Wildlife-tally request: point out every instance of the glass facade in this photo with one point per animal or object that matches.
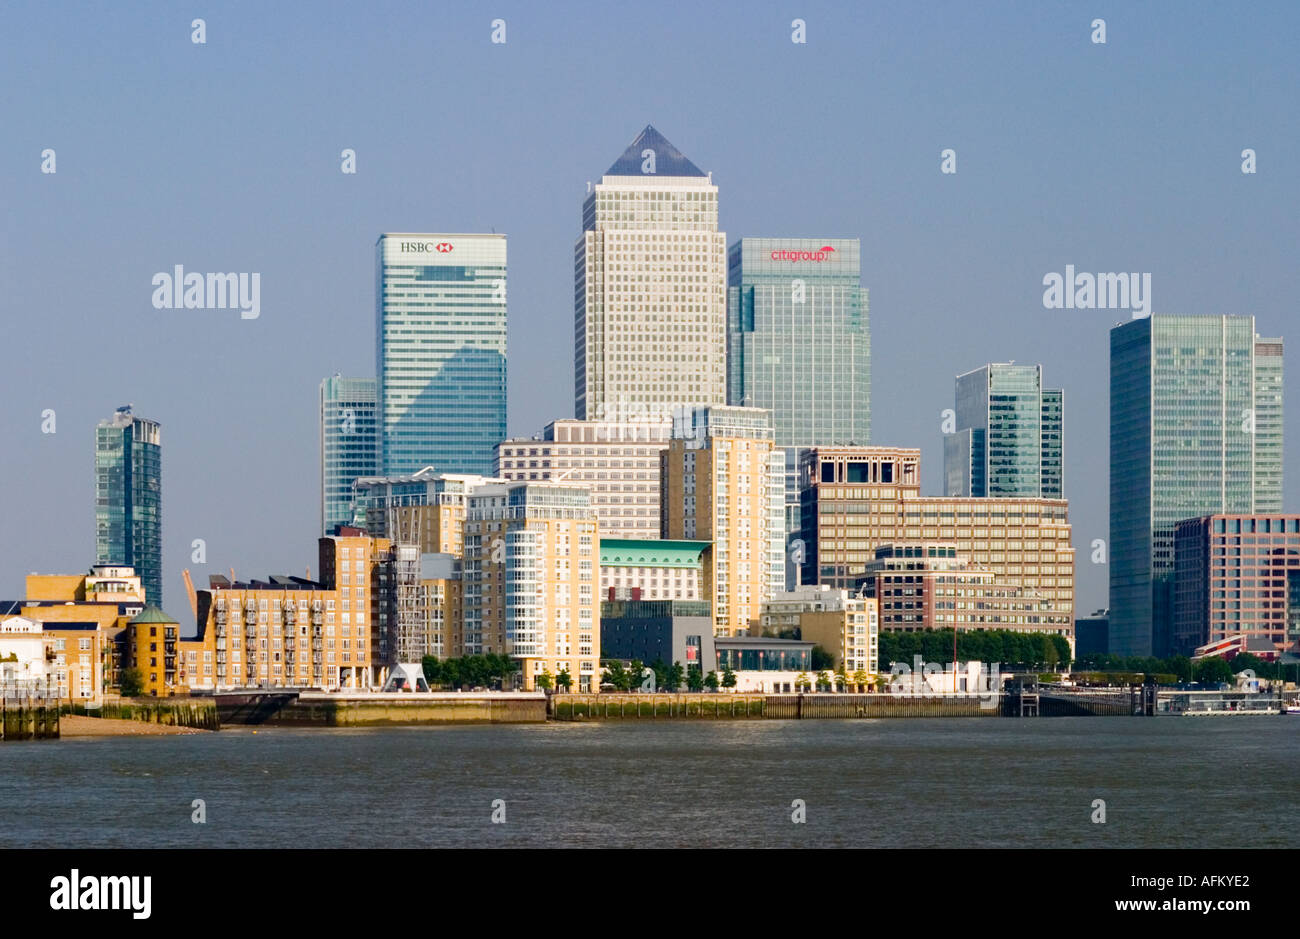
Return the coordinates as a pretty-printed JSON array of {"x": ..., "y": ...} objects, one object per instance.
[
  {"x": 440, "y": 358},
  {"x": 798, "y": 342},
  {"x": 349, "y": 443},
  {"x": 128, "y": 498},
  {"x": 1009, "y": 441},
  {"x": 1185, "y": 441}
]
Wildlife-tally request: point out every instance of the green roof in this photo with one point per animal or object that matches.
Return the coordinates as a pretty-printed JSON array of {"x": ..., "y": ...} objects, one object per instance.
[
  {"x": 650, "y": 552},
  {"x": 151, "y": 614}
]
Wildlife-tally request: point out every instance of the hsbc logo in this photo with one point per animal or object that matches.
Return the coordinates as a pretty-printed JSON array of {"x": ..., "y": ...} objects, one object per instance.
[
  {"x": 442, "y": 247},
  {"x": 821, "y": 254},
  {"x": 426, "y": 247}
]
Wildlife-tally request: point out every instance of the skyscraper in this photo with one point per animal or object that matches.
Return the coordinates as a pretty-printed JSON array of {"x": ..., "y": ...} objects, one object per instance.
[
  {"x": 349, "y": 444},
  {"x": 440, "y": 354},
  {"x": 1009, "y": 436},
  {"x": 128, "y": 497},
  {"x": 798, "y": 344},
  {"x": 650, "y": 289},
  {"x": 1195, "y": 429}
]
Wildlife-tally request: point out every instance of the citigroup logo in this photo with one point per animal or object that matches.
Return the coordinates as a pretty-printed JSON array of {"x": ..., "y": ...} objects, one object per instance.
[{"x": 821, "y": 254}]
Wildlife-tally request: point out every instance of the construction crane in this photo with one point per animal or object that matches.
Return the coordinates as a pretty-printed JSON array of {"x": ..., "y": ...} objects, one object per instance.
[{"x": 189, "y": 592}]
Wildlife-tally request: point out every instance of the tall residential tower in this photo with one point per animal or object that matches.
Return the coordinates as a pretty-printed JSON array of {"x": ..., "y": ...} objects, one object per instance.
[
  {"x": 128, "y": 497},
  {"x": 349, "y": 445}
]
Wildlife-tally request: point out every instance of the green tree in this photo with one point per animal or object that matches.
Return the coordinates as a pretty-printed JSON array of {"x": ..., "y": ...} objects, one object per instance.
[
  {"x": 728, "y": 678},
  {"x": 564, "y": 681},
  {"x": 824, "y": 679},
  {"x": 1213, "y": 670},
  {"x": 695, "y": 680},
  {"x": 676, "y": 675},
  {"x": 635, "y": 673},
  {"x": 821, "y": 659},
  {"x": 131, "y": 683},
  {"x": 429, "y": 665},
  {"x": 616, "y": 675},
  {"x": 545, "y": 681},
  {"x": 860, "y": 679},
  {"x": 802, "y": 682},
  {"x": 660, "y": 668},
  {"x": 711, "y": 681}
]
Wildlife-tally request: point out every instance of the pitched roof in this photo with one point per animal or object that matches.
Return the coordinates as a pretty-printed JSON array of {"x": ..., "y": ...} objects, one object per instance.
[
  {"x": 151, "y": 614},
  {"x": 668, "y": 159}
]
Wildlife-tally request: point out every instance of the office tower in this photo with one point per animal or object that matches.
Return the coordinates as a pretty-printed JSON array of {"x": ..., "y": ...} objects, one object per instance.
[
  {"x": 650, "y": 288},
  {"x": 529, "y": 579},
  {"x": 1009, "y": 437},
  {"x": 1195, "y": 430},
  {"x": 724, "y": 482},
  {"x": 858, "y": 499},
  {"x": 440, "y": 356},
  {"x": 349, "y": 444},
  {"x": 128, "y": 497},
  {"x": 617, "y": 461},
  {"x": 1237, "y": 576},
  {"x": 798, "y": 344}
]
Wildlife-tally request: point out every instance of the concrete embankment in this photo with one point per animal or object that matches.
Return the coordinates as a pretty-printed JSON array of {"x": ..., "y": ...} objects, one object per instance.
[
  {"x": 580, "y": 707},
  {"x": 310, "y": 709},
  {"x": 192, "y": 713}
]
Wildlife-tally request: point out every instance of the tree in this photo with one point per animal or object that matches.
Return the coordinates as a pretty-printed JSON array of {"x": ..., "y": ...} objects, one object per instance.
[
  {"x": 131, "y": 683},
  {"x": 860, "y": 679},
  {"x": 616, "y": 675},
  {"x": 802, "y": 682},
  {"x": 676, "y": 675},
  {"x": 429, "y": 665},
  {"x": 660, "y": 668},
  {"x": 711, "y": 681},
  {"x": 824, "y": 679},
  {"x": 728, "y": 678},
  {"x": 821, "y": 659},
  {"x": 635, "y": 673},
  {"x": 564, "y": 681},
  {"x": 695, "y": 680},
  {"x": 545, "y": 681},
  {"x": 1213, "y": 670},
  {"x": 842, "y": 678}
]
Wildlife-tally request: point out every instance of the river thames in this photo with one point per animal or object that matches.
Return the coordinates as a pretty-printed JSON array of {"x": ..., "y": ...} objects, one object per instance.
[{"x": 996, "y": 783}]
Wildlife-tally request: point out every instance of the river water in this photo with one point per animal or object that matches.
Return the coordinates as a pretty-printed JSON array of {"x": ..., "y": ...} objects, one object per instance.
[{"x": 1165, "y": 782}]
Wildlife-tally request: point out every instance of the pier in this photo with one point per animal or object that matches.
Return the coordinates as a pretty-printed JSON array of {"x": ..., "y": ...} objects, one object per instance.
[{"x": 28, "y": 716}]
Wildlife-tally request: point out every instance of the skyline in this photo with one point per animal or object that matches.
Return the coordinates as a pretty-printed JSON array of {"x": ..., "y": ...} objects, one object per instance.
[{"x": 933, "y": 258}]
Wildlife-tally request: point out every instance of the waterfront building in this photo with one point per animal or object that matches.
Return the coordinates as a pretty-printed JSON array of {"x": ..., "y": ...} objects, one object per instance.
[
  {"x": 654, "y": 569},
  {"x": 928, "y": 585},
  {"x": 440, "y": 355},
  {"x": 1237, "y": 576},
  {"x": 617, "y": 460},
  {"x": 1092, "y": 634},
  {"x": 723, "y": 482},
  {"x": 847, "y": 626},
  {"x": 650, "y": 288},
  {"x": 1009, "y": 437},
  {"x": 1195, "y": 430},
  {"x": 675, "y": 632},
  {"x": 441, "y": 604},
  {"x": 167, "y": 664},
  {"x": 529, "y": 576},
  {"x": 25, "y": 666},
  {"x": 856, "y": 499},
  {"x": 128, "y": 497},
  {"x": 764, "y": 665},
  {"x": 349, "y": 444}
]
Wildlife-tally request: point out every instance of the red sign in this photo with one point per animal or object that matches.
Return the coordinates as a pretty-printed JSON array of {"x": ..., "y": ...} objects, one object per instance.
[
  {"x": 821, "y": 254},
  {"x": 442, "y": 247}
]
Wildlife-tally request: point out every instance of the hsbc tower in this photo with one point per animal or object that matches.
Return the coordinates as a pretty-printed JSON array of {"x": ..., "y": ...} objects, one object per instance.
[{"x": 440, "y": 351}]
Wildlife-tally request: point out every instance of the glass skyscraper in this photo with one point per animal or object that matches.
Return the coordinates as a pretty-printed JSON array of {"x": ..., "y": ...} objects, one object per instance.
[
  {"x": 1009, "y": 438},
  {"x": 798, "y": 345},
  {"x": 349, "y": 444},
  {"x": 128, "y": 498},
  {"x": 440, "y": 357},
  {"x": 1195, "y": 429}
]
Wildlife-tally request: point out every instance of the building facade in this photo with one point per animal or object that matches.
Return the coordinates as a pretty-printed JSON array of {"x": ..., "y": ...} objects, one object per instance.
[
  {"x": 857, "y": 499},
  {"x": 1195, "y": 430},
  {"x": 349, "y": 444},
  {"x": 529, "y": 578},
  {"x": 1237, "y": 576},
  {"x": 675, "y": 632},
  {"x": 128, "y": 497},
  {"x": 617, "y": 460},
  {"x": 844, "y": 624},
  {"x": 724, "y": 483},
  {"x": 440, "y": 357},
  {"x": 652, "y": 569},
  {"x": 650, "y": 288},
  {"x": 1009, "y": 437}
]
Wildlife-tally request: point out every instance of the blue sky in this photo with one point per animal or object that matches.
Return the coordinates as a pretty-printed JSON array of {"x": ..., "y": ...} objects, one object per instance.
[{"x": 225, "y": 157}]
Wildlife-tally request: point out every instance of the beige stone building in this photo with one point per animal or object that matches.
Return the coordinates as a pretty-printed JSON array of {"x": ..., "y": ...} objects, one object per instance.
[
  {"x": 723, "y": 482},
  {"x": 846, "y": 625}
]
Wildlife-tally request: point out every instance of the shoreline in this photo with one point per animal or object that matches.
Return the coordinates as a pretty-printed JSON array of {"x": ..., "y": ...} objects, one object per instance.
[{"x": 80, "y": 726}]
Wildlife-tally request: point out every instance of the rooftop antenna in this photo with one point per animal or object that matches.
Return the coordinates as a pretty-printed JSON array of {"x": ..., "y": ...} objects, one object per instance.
[{"x": 589, "y": 185}]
